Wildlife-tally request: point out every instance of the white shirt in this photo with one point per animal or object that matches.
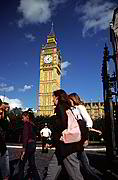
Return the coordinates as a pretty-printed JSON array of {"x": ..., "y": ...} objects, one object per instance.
[
  {"x": 80, "y": 112},
  {"x": 45, "y": 132}
]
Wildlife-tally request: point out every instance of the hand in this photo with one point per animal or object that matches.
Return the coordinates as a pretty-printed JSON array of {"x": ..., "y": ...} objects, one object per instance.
[
  {"x": 99, "y": 132},
  {"x": 22, "y": 155},
  {"x": 48, "y": 146},
  {"x": 86, "y": 143},
  {"x": 61, "y": 138}
]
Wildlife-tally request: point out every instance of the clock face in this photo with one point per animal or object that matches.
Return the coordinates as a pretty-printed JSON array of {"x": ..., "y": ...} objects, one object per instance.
[{"x": 48, "y": 59}]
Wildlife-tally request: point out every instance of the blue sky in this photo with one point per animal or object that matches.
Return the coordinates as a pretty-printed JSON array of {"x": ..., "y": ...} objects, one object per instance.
[{"x": 82, "y": 29}]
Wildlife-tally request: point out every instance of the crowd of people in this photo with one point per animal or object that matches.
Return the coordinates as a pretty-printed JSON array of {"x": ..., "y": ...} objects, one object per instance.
[
  {"x": 70, "y": 157},
  {"x": 4, "y": 156}
]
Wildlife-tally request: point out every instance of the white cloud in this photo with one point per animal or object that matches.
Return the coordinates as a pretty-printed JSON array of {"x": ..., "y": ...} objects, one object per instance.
[
  {"x": 12, "y": 102},
  {"x": 37, "y": 11},
  {"x": 30, "y": 37},
  {"x": 34, "y": 11},
  {"x": 25, "y": 88},
  {"x": 5, "y": 88},
  {"x": 55, "y": 3},
  {"x": 25, "y": 63},
  {"x": 20, "y": 23},
  {"x": 95, "y": 15},
  {"x": 63, "y": 66}
]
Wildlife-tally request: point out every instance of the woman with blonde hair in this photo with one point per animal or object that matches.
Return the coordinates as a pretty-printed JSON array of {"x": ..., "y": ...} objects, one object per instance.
[
  {"x": 81, "y": 112},
  {"x": 86, "y": 124}
]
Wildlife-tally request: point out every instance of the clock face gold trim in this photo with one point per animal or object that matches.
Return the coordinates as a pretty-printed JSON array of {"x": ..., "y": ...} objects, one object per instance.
[{"x": 48, "y": 59}]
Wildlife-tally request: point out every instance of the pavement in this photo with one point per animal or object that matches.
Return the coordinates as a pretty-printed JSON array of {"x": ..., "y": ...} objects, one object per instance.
[
  {"x": 96, "y": 155},
  {"x": 42, "y": 159},
  {"x": 108, "y": 168}
]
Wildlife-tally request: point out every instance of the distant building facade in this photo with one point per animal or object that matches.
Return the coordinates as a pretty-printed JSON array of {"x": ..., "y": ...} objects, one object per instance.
[{"x": 95, "y": 109}]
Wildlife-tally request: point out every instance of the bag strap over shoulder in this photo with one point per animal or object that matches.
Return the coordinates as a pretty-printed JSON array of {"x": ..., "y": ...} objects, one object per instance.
[
  {"x": 72, "y": 133},
  {"x": 72, "y": 121}
]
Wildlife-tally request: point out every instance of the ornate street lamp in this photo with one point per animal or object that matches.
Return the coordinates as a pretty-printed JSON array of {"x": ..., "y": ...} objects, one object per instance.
[{"x": 108, "y": 106}]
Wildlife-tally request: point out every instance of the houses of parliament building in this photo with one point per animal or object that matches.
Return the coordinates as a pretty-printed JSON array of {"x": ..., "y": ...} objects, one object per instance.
[
  {"x": 95, "y": 109},
  {"x": 50, "y": 72}
]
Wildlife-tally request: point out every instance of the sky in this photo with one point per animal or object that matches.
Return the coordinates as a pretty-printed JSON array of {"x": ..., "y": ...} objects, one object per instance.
[{"x": 81, "y": 28}]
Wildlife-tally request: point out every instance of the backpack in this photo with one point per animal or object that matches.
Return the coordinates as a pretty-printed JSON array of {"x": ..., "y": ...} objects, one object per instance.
[
  {"x": 82, "y": 124},
  {"x": 72, "y": 133}
]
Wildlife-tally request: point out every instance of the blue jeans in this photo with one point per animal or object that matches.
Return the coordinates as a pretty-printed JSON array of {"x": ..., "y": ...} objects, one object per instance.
[
  {"x": 88, "y": 169},
  {"x": 4, "y": 164},
  {"x": 71, "y": 164}
]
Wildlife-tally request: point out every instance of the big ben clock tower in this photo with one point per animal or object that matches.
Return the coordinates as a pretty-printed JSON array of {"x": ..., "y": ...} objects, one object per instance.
[{"x": 49, "y": 74}]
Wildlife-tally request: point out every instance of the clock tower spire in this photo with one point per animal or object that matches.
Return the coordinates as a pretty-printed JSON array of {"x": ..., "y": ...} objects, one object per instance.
[
  {"x": 52, "y": 30},
  {"x": 50, "y": 69}
]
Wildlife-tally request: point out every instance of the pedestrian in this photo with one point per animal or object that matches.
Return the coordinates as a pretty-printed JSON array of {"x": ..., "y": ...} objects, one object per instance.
[
  {"x": 4, "y": 156},
  {"x": 29, "y": 146},
  {"x": 65, "y": 154},
  {"x": 82, "y": 115},
  {"x": 45, "y": 136}
]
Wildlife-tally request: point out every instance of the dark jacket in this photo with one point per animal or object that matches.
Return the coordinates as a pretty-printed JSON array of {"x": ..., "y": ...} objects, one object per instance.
[
  {"x": 3, "y": 147},
  {"x": 61, "y": 122},
  {"x": 28, "y": 133}
]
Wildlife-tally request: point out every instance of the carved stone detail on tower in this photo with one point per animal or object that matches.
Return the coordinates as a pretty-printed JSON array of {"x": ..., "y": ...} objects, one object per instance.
[{"x": 95, "y": 109}]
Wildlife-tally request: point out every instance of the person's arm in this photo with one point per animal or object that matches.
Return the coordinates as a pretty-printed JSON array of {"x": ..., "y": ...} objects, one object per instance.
[
  {"x": 49, "y": 132},
  {"x": 85, "y": 116},
  {"x": 95, "y": 130},
  {"x": 25, "y": 139},
  {"x": 41, "y": 132}
]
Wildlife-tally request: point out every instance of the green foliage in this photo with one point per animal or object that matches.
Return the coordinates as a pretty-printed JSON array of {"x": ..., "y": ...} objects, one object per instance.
[
  {"x": 16, "y": 111},
  {"x": 14, "y": 131}
]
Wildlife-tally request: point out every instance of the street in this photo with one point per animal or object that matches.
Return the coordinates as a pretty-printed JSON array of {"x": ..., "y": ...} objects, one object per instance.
[{"x": 95, "y": 154}]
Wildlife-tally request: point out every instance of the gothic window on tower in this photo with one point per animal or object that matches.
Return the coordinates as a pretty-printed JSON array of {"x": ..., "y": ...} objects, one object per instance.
[
  {"x": 48, "y": 78},
  {"x": 50, "y": 100},
  {"x": 54, "y": 74},
  {"x": 50, "y": 89},
  {"x": 45, "y": 101},
  {"x": 45, "y": 88},
  {"x": 50, "y": 75},
  {"x": 45, "y": 76},
  {"x": 41, "y": 100}
]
